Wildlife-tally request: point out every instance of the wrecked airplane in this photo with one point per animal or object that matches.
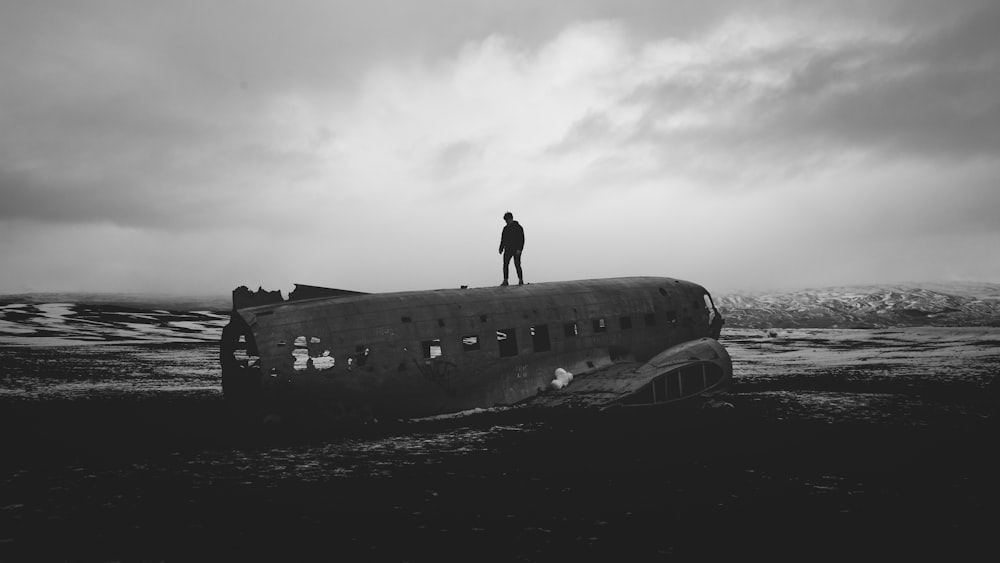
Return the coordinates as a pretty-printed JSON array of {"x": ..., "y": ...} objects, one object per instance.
[{"x": 591, "y": 343}]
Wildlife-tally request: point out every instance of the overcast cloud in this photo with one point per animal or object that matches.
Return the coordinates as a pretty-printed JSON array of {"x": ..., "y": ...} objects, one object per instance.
[{"x": 197, "y": 146}]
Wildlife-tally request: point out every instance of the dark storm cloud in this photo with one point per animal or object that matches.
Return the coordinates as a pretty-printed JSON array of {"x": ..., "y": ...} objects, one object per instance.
[
  {"x": 152, "y": 206},
  {"x": 930, "y": 95},
  {"x": 144, "y": 113},
  {"x": 24, "y": 198},
  {"x": 107, "y": 106},
  {"x": 927, "y": 92}
]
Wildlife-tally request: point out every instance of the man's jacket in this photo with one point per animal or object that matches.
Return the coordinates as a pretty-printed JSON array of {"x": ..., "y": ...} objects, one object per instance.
[{"x": 512, "y": 238}]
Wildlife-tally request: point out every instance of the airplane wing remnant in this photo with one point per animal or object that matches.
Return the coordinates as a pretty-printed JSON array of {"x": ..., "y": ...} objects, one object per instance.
[{"x": 699, "y": 367}]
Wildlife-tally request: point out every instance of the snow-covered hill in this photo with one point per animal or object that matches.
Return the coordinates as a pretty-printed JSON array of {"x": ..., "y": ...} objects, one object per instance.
[
  {"x": 874, "y": 306},
  {"x": 70, "y": 323}
]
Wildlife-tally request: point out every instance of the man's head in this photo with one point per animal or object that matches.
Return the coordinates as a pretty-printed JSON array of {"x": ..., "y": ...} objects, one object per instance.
[{"x": 508, "y": 216}]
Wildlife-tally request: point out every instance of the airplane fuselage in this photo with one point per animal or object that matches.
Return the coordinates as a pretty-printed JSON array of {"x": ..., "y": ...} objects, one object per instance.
[{"x": 429, "y": 352}]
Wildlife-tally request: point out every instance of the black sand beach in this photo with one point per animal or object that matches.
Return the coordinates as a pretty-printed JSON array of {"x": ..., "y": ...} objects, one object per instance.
[
  {"x": 721, "y": 486},
  {"x": 824, "y": 453}
]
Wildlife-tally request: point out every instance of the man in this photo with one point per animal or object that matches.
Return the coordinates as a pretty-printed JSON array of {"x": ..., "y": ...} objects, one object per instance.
[{"x": 511, "y": 245}]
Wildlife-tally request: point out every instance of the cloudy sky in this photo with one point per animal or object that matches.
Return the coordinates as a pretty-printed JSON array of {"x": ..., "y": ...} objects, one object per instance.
[{"x": 194, "y": 146}]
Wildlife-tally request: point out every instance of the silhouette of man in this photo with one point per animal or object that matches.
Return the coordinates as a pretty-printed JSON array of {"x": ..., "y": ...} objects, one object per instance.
[{"x": 511, "y": 245}]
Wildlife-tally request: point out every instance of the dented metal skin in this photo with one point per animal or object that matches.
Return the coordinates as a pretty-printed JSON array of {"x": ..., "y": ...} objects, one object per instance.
[{"x": 346, "y": 354}]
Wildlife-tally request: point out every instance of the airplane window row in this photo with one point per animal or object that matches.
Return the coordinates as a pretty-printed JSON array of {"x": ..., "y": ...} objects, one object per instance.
[{"x": 507, "y": 337}]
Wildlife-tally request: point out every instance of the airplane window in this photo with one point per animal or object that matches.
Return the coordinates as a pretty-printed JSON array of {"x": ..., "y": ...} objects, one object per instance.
[
  {"x": 673, "y": 385},
  {"x": 600, "y": 325},
  {"x": 671, "y": 316},
  {"x": 540, "y": 338},
  {"x": 362, "y": 354},
  {"x": 507, "y": 339},
  {"x": 470, "y": 343},
  {"x": 650, "y": 319},
  {"x": 692, "y": 381},
  {"x": 572, "y": 329},
  {"x": 625, "y": 322},
  {"x": 431, "y": 348}
]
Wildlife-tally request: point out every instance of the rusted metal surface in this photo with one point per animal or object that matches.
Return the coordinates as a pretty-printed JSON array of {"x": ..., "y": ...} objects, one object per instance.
[{"x": 429, "y": 352}]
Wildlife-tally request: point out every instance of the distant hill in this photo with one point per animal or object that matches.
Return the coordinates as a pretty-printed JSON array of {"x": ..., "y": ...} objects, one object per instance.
[
  {"x": 138, "y": 301},
  {"x": 866, "y": 306}
]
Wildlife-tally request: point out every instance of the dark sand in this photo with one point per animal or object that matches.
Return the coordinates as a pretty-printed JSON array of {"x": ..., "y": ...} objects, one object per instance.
[{"x": 839, "y": 444}]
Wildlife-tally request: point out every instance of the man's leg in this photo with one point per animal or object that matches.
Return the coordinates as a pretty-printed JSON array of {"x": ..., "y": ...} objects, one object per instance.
[
  {"x": 506, "y": 266},
  {"x": 517, "y": 266}
]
